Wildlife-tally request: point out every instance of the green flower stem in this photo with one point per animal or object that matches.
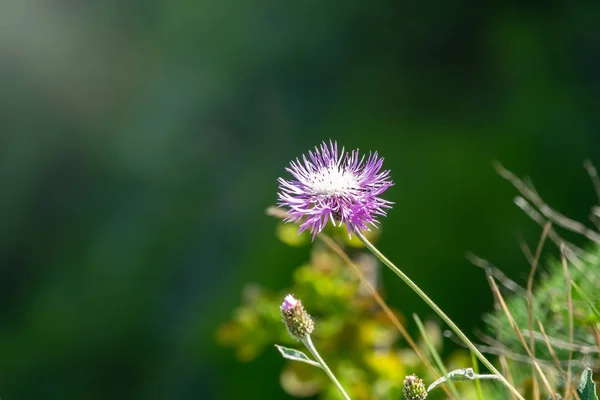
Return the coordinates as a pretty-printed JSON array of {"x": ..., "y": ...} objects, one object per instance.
[
  {"x": 311, "y": 347},
  {"x": 439, "y": 312}
]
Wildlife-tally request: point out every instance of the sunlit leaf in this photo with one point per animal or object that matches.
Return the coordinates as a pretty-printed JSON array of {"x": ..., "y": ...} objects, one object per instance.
[
  {"x": 296, "y": 355},
  {"x": 587, "y": 388}
]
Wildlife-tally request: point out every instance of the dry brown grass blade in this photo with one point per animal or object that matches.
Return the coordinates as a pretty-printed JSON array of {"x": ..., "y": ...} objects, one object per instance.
[
  {"x": 526, "y": 252},
  {"x": 515, "y": 327},
  {"x": 501, "y": 357},
  {"x": 329, "y": 242},
  {"x": 570, "y": 311},
  {"x": 551, "y": 349},
  {"x": 553, "y": 215},
  {"x": 506, "y": 371},
  {"x": 534, "y": 264},
  {"x": 573, "y": 389},
  {"x": 386, "y": 309}
]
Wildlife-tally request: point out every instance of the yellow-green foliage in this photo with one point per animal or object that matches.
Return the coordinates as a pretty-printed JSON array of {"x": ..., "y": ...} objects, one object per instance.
[{"x": 351, "y": 332}]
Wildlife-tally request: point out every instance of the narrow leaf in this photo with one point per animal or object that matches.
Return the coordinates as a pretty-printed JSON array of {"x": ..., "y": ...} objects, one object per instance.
[{"x": 297, "y": 355}]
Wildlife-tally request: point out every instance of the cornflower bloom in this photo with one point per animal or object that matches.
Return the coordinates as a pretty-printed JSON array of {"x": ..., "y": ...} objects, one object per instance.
[{"x": 341, "y": 186}]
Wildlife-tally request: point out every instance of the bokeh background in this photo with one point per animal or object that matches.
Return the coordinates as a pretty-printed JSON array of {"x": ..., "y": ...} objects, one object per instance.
[{"x": 140, "y": 143}]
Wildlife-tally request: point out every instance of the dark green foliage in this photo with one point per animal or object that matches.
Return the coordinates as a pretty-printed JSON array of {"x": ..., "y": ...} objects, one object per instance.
[
  {"x": 565, "y": 297},
  {"x": 587, "y": 388},
  {"x": 549, "y": 305}
]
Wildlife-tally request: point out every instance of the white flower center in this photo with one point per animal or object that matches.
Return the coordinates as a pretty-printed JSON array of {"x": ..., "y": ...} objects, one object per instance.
[{"x": 332, "y": 181}]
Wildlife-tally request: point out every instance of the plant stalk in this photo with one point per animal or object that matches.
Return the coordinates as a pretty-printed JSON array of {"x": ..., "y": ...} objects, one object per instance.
[
  {"x": 311, "y": 347},
  {"x": 438, "y": 311}
]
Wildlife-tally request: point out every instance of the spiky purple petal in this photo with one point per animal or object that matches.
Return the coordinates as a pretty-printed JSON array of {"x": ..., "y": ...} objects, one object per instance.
[{"x": 341, "y": 186}]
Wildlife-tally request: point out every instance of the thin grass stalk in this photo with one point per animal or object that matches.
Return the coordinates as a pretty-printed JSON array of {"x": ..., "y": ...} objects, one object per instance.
[
  {"x": 438, "y": 311},
  {"x": 551, "y": 349},
  {"x": 570, "y": 312},
  {"x": 434, "y": 353},
  {"x": 329, "y": 242},
  {"x": 313, "y": 350},
  {"x": 476, "y": 369},
  {"x": 520, "y": 336},
  {"x": 534, "y": 264}
]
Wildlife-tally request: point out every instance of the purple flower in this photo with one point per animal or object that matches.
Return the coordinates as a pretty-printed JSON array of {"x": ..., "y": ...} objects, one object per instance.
[
  {"x": 342, "y": 186},
  {"x": 288, "y": 302}
]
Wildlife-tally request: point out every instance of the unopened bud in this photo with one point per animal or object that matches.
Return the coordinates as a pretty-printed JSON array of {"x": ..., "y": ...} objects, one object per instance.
[
  {"x": 414, "y": 389},
  {"x": 296, "y": 319}
]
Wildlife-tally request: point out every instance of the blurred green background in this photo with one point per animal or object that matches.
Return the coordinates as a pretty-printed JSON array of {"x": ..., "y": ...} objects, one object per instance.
[{"x": 140, "y": 143}]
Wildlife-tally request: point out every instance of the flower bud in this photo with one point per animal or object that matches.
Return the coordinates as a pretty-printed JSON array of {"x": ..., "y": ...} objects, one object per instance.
[
  {"x": 414, "y": 389},
  {"x": 296, "y": 319}
]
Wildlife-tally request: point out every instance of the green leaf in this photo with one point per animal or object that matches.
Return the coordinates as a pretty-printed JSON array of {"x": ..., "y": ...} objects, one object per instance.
[
  {"x": 587, "y": 388},
  {"x": 297, "y": 355}
]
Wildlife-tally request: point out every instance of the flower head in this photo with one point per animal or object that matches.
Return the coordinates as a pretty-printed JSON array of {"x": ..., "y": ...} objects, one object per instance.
[
  {"x": 414, "y": 389},
  {"x": 341, "y": 186},
  {"x": 297, "y": 321}
]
